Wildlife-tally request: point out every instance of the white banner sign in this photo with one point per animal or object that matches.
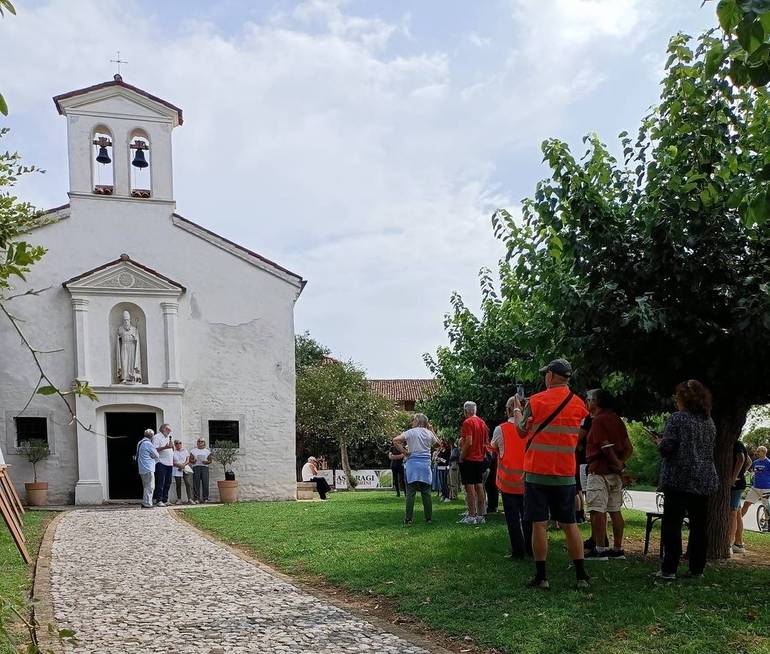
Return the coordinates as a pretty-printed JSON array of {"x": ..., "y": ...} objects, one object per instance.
[{"x": 367, "y": 479}]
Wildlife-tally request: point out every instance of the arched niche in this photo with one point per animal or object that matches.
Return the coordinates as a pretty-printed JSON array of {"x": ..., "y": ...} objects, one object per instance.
[
  {"x": 140, "y": 164},
  {"x": 102, "y": 170},
  {"x": 139, "y": 321}
]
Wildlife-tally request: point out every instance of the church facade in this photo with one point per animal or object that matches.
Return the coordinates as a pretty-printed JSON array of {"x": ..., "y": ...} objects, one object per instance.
[{"x": 166, "y": 320}]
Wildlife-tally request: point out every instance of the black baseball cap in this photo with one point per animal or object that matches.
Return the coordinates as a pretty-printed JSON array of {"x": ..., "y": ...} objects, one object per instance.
[{"x": 560, "y": 367}]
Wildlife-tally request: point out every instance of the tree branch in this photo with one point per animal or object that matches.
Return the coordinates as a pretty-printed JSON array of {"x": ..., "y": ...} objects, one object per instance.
[
  {"x": 44, "y": 376},
  {"x": 31, "y": 291}
]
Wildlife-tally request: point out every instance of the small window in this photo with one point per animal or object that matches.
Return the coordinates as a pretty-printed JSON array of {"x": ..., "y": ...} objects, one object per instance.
[
  {"x": 409, "y": 405},
  {"x": 28, "y": 428},
  {"x": 224, "y": 430}
]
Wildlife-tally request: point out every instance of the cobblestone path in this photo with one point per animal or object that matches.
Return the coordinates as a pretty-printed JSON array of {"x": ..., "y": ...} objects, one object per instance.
[{"x": 135, "y": 582}]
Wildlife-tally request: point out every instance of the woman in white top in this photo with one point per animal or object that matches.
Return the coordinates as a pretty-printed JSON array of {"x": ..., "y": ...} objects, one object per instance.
[
  {"x": 200, "y": 458},
  {"x": 181, "y": 461},
  {"x": 417, "y": 442},
  {"x": 310, "y": 473}
]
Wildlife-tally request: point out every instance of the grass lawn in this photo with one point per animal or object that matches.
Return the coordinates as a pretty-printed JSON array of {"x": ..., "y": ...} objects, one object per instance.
[
  {"x": 455, "y": 578},
  {"x": 16, "y": 576}
]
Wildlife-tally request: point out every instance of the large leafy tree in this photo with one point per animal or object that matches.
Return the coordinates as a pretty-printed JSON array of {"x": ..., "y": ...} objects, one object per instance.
[
  {"x": 336, "y": 408},
  {"x": 654, "y": 270},
  {"x": 481, "y": 363}
]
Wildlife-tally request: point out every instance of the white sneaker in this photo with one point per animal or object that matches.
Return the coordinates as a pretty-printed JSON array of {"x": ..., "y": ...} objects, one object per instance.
[
  {"x": 161, "y": 504},
  {"x": 467, "y": 520},
  {"x": 481, "y": 520},
  {"x": 739, "y": 549}
]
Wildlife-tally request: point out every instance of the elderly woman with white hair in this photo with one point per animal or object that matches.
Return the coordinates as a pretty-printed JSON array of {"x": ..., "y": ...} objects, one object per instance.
[
  {"x": 417, "y": 443},
  {"x": 310, "y": 473}
]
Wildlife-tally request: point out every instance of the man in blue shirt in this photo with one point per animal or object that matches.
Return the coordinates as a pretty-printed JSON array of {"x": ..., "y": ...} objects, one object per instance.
[
  {"x": 146, "y": 458},
  {"x": 761, "y": 485}
]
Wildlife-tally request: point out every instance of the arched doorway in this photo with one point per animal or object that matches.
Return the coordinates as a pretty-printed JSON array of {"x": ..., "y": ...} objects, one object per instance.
[{"x": 124, "y": 426}]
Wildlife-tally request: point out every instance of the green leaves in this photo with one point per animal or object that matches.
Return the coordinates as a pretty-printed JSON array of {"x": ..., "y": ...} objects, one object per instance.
[
  {"x": 746, "y": 24},
  {"x": 729, "y": 14},
  {"x": 47, "y": 390},
  {"x": 6, "y": 5},
  {"x": 3, "y": 106},
  {"x": 714, "y": 58}
]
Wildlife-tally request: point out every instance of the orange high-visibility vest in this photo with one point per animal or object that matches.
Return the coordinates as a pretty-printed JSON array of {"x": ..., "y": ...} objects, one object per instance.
[
  {"x": 552, "y": 450},
  {"x": 510, "y": 467}
]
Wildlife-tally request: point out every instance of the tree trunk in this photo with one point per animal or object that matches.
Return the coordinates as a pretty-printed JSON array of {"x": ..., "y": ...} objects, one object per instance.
[
  {"x": 346, "y": 465},
  {"x": 729, "y": 422}
]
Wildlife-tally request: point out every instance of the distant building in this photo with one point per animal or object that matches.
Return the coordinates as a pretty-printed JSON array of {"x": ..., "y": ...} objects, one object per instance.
[{"x": 404, "y": 393}]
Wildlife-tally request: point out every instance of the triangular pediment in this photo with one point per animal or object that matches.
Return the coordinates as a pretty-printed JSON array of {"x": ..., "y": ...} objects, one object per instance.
[
  {"x": 123, "y": 277},
  {"x": 117, "y": 98}
]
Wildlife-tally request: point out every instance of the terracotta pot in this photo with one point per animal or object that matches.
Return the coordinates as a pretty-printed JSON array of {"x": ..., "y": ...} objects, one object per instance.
[
  {"x": 228, "y": 491},
  {"x": 37, "y": 493}
]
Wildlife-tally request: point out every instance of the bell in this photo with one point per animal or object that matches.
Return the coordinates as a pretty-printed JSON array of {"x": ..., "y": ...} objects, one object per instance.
[
  {"x": 103, "y": 157},
  {"x": 139, "y": 160}
]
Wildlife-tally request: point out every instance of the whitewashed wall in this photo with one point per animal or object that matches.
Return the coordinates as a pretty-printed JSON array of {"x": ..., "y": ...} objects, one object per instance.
[{"x": 235, "y": 335}]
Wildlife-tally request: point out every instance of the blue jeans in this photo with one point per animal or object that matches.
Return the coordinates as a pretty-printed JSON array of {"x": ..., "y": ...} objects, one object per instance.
[{"x": 162, "y": 482}]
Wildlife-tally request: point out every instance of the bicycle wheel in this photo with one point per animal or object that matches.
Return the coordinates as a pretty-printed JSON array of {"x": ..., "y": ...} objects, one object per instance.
[{"x": 763, "y": 518}]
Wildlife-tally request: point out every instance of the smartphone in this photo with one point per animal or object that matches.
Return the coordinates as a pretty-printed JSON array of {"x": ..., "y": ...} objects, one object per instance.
[{"x": 520, "y": 392}]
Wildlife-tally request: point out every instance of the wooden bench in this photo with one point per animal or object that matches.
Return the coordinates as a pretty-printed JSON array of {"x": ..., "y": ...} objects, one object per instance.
[{"x": 306, "y": 490}]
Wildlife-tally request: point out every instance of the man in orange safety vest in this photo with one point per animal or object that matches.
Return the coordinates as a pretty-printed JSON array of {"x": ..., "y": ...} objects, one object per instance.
[
  {"x": 549, "y": 424},
  {"x": 510, "y": 482}
]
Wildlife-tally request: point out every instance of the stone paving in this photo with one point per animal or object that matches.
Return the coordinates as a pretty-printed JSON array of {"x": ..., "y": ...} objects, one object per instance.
[{"x": 138, "y": 581}]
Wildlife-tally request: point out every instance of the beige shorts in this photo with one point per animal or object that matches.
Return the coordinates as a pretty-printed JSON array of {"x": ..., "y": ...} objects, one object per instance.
[
  {"x": 604, "y": 493},
  {"x": 755, "y": 494}
]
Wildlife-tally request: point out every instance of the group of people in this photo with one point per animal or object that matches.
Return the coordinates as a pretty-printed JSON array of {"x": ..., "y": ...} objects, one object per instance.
[
  {"x": 160, "y": 460},
  {"x": 544, "y": 477}
]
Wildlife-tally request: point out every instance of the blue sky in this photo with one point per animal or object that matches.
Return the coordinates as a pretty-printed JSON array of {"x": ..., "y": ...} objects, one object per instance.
[{"x": 363, "y": 144}]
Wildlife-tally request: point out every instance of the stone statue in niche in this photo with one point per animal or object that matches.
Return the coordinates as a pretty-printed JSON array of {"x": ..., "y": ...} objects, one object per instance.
[{"x": 128, "y": 352}]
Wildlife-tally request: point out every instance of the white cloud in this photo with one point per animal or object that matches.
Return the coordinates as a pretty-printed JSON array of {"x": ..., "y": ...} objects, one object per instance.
[{"x": 371, "y": 173}]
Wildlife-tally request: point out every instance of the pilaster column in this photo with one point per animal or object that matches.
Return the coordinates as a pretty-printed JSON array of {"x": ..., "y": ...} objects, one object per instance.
[
  {"x": 170, "y": 312},
  {"x": 80, "y": 317}
]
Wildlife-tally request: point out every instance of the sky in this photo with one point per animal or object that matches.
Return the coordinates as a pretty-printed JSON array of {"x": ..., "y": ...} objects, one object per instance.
[{"x": 362, "y": 144}]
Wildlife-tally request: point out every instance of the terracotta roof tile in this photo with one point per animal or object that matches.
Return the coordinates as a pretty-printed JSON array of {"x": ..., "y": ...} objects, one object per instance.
[{"x": 400, "y": 390}]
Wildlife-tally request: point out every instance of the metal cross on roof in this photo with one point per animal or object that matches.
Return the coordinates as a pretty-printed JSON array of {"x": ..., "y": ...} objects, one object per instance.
[{"x": 118, "y": 61}]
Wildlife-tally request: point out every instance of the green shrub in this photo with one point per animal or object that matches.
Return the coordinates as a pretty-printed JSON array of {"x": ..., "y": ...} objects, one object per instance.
[{"x": 644, "y": 464}]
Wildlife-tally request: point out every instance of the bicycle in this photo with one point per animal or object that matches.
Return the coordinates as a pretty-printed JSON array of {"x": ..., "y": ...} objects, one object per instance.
[{"x": 763, "y": 513}]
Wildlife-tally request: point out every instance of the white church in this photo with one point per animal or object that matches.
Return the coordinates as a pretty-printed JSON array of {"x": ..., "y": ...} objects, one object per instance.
[{"x": 166, "y": 320}]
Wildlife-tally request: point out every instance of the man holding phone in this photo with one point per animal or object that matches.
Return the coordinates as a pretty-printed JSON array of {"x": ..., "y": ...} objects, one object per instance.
[{"x": 550, "y": 425}]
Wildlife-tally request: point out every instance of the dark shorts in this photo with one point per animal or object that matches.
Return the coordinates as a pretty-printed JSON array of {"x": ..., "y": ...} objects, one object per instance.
[
  {"x": 542, "y": 503},
  {"x": 736, "y": 498},
  {"x": 471, "y": 472}
]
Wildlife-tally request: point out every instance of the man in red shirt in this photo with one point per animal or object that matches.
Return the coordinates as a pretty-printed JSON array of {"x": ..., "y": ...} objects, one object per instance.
[
  {"x": 474, "y": 438},
  {"x": 607, "y": 450}
]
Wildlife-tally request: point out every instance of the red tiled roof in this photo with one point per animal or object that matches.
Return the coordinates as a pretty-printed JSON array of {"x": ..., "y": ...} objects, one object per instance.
[{"x": 400, "y": 390}]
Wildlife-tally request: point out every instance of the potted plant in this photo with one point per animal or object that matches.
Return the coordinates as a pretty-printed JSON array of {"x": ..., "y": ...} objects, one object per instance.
[
  {"x": 226, "y": 453},
  {"x": 35, "y": 450}
]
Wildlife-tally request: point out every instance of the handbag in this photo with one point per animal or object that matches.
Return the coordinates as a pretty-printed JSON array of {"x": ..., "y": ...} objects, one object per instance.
[{"x": 187, "y": 470}]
